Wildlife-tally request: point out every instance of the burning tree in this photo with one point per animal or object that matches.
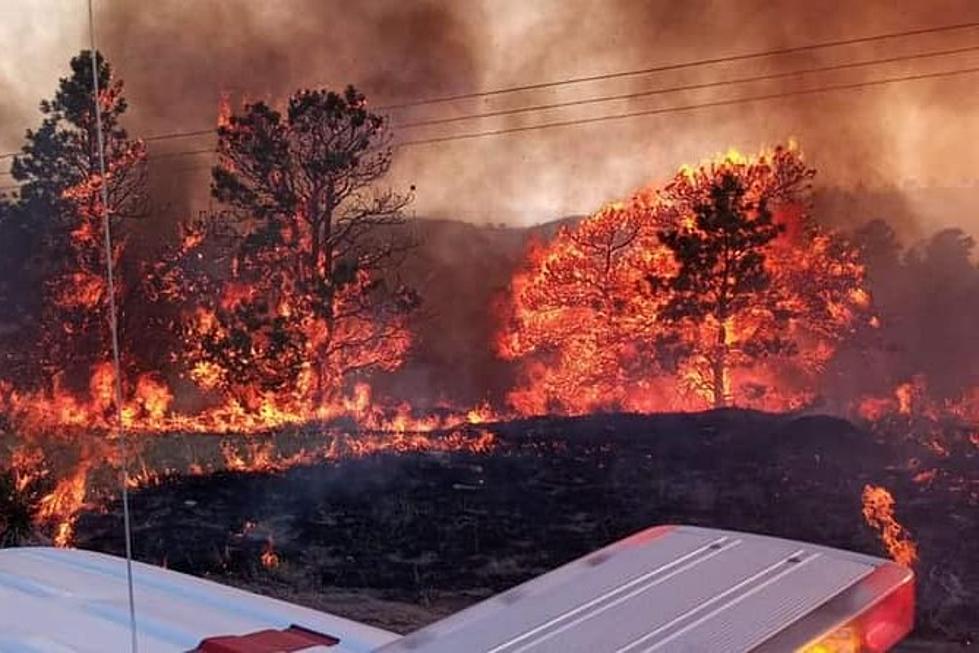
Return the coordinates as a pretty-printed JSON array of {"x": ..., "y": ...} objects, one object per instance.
[
  {"x": 718, "y": 283},
  {"x": 60, "y": 203},
  {"x": 756, "y": 279},
  {"x": 579, "y": 318},
  {"x": 312, "y": 296}
]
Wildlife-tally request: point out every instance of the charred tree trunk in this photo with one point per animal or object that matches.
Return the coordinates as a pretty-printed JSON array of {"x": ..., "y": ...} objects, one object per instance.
[{"x": 719, "y": 368}]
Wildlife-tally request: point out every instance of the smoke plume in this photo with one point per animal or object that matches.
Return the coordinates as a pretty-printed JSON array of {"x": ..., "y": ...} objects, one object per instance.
[{"x": 177, "y": 59}]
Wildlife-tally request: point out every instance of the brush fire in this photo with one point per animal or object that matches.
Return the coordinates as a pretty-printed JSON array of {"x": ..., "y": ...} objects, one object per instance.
[{"x": 705, "y": 350}]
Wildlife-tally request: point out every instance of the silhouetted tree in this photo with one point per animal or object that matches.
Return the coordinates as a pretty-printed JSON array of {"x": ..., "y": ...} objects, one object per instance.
[
  {"x": 722, "y": 271},
  {"x": 20, "y": 502},
  {"x": 312, "y": 289},
  {"x": 942, "y": 297},
  {"x": 60, "y": 198}
]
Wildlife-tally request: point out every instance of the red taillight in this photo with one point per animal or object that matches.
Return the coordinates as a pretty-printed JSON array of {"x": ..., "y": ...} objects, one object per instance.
[
  {"x": 886, "y": 623},
  {"x": 876, "y": 629}
]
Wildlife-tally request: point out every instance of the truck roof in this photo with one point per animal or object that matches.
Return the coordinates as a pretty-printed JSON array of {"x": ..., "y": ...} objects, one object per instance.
[
  {"x": 671, "y": 588},
  {"x": 674, "y": 588},
  {"x": 71, "y": 601}
]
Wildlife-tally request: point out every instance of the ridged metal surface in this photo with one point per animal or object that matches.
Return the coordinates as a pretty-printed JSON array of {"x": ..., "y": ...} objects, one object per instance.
[{"x": 679, "y": 589}]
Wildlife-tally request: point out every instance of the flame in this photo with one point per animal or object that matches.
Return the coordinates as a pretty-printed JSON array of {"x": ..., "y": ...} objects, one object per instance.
[
  {"x": 878, "y": 511},
  {"x": 912, "y": 402},
  {"x": 148, "y": 410},
  {"x": 269, "y": 558},
  {"x": 28, "y": 466},
  {"x": 224, "y": 109},
  {"x": 481, "y": 414},
  {"x": 588, "y": 316},
  {"x": 63, "y": 504},
  {"x": 903, "y": 393},
  {"x": 584, "y": 322},
  {"x": 82, "y": 290}
]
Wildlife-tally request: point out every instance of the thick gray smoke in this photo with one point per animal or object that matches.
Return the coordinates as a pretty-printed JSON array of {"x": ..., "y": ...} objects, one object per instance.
[
  {"x": 896, "y": 136},
  {"x": 903, "y": 153},
  {"x": 177, "y": 57}
]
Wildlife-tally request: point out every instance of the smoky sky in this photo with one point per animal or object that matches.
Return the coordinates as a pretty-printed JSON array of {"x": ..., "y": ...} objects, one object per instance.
[{"x": 177, "y": 58}]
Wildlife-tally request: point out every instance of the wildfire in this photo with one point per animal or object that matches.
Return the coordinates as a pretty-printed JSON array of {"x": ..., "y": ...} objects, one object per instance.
[
  {"x": 613, "y": 313},
  {"x": 224, "y": 109},
  {"x": 269, "y": 558},
  {"x": 149, "y": 411},
  {"x": 649, "y": 305},
  {"x": 63, "y": 504},
  {"x": 878, "y": 511}
]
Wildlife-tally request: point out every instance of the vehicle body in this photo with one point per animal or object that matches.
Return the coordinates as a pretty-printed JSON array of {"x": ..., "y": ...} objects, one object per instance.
[{"x": 668, "y": 588}]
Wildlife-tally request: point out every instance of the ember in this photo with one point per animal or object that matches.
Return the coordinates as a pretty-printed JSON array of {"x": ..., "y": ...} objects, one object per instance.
[{"x": 269, "y": 558}]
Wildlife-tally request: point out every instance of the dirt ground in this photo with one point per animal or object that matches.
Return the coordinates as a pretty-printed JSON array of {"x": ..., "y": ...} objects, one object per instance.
[{"x": 399, "y": 540}]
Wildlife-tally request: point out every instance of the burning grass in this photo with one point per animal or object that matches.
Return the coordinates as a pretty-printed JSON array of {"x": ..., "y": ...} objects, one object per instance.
[{"x": 82, "y": 467}]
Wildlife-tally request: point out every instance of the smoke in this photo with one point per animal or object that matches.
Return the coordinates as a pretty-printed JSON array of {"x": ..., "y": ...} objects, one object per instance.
[
  {"x": 39, "y": 44},
  {"x": 883, "y": 137},
  {"x": 176, "y": 59},
  {"x": 902, "y": 153}
]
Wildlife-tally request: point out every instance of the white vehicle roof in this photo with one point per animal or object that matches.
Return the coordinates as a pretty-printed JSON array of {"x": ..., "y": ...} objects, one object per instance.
[
  {"x": 672, "y": 588},
  {"x": 71, "y": 601}
]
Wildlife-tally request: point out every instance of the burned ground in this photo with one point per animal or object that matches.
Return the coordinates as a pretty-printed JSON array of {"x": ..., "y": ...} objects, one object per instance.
[{"x": 369, "y": 536}]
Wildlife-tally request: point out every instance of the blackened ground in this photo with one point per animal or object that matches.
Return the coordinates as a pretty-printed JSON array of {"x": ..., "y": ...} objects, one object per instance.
[{"x": 400, "y": 540}]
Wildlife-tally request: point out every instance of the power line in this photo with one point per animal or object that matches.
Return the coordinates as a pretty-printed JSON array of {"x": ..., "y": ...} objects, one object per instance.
[
  {"x": 680, "y": 66},
  {"x": 158, "y": 137},
  {"x": 147, "y": 139},
  {"x": 164, "y": 155},
  {"x": 689, "y": 107},
  {"x": 610, "y": 98},
  {"x": 635, "y": 114},
  {"x": 668, "y": 110},
  {"x": 167, "y": 155},
  {"x": 172, "y": 135},
  {"x": 618, "y": 74},
  {"x": 687, "y": 87}
]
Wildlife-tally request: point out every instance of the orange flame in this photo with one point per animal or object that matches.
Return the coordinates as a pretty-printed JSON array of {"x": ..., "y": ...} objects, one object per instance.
[
  {"x": 64, "y": 503},
  {"x": 586, "y": 317},
  {"x": 878, "y": 511},
  {"x": 269, "y": 558},
  {"x": 224, "y": 109}
]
